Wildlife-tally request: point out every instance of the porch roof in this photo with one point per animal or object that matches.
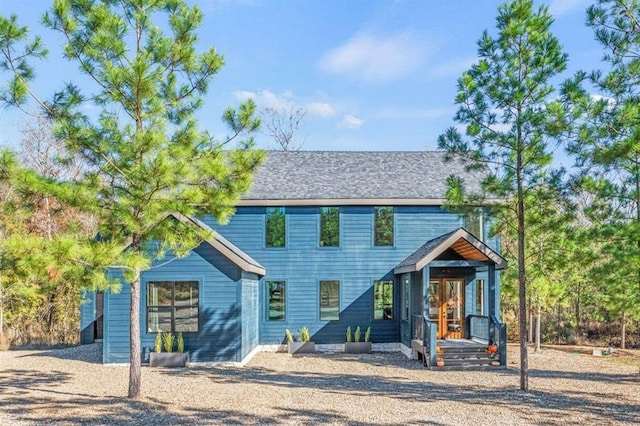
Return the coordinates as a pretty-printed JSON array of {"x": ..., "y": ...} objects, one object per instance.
[{"x": 461, "y": 241}]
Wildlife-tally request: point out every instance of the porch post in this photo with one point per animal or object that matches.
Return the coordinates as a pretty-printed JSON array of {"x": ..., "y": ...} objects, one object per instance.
[
  {"x": 492, "y": 301},
  {"x": 428, "y": 337}
]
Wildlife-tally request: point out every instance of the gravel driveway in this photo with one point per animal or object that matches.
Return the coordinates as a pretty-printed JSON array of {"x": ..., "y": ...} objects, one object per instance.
[{"x": 69, "y": 386}]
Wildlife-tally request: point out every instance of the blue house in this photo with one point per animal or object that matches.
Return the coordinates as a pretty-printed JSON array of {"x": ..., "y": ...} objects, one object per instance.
[{"x": 324, "y": 240}]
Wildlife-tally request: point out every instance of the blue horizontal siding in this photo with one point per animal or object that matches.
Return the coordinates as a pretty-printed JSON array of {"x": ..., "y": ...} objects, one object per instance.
[{"x": 356, "y": 264}]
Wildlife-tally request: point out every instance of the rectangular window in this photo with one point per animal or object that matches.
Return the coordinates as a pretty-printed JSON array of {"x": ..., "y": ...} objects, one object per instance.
[
  {"x": 329, "y": 300},
  {"x": 406, "y": 288},
  {"x": 275, "y": 227},
  {"x": 276, "y": 300},
  {"x": 480, "y": 297},
  {"x": 383, "y": 227},
  {"x": 383, "y": 300},
  {"x": 172, "y": 306},
  {"x": 329, "y": 227},
  {"x": 473, "y": 222}
]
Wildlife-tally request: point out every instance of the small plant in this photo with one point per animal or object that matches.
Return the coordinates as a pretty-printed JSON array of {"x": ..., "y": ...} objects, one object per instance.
[
  {"x": 180, "y": 343},
  {"x": 367, "y": 335},
  {"x": 356, "y": 334},
  {"x": 304, "y": 334},
  {"x": 167, "y": 341},
  {"x": 349, "y": 334},
  {"x": 157, "y": 347},
  {"x": 289, "y": 336}
]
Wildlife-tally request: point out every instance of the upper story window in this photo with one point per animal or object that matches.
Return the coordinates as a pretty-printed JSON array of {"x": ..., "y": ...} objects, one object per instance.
[
  {"x": 474, "y": 223},
  {"x": 172, "y": 306},
  {"x": 330, "y": 227},
  {"x": 383, "y": 226},
  {"x": 275, "y": 227}
]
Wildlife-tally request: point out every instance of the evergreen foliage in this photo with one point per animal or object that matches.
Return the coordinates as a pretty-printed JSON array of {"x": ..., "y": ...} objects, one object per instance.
[
  {"x": 144, "y": 155},
  {"x": 504, "y": 103},
  {"x": 605, "y": 141}
]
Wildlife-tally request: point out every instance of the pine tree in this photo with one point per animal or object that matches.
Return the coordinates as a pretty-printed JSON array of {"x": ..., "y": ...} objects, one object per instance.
[
  {"x": 503, "y": 102},
  {"x": 144, "y": 154},
  {"x": 604, "y": 115}
]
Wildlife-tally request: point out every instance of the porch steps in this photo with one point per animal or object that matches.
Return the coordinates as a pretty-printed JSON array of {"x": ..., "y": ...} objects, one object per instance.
[
  {"x": 462, "y": 355},
  {"x": 466, "y": 358}
]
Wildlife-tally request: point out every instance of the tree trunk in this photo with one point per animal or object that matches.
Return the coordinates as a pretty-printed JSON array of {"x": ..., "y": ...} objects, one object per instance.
[
  {"x": 522, "y": 278},
  {"x": 623, "y": 338},
  {"x": 559, "y": 325},
  {"x": 538, "y": 327},
  {"x": 134, "y": 329},
  {"x": 530, "y": 327}
]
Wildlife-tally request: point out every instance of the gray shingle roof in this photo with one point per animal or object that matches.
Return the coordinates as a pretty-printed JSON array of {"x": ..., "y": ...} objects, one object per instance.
[
  {"x": 424, "y": 250},
  {"x": 341, "y": 175}
]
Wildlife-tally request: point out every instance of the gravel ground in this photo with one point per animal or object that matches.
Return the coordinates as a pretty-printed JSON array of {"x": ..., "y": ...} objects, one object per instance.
[{"x": 70, "y": 386}]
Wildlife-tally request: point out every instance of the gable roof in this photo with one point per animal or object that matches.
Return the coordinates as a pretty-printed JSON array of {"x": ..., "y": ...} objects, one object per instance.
[
  {"x": 461, "y": 241},
  {"x": 355, "y": 178},
  {"x": 224, "y": 246},
  {"x": 219, "y": 243}
]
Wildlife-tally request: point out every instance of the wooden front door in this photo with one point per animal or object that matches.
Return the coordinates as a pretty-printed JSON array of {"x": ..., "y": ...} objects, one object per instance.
[{"x": 446, "y": 307}]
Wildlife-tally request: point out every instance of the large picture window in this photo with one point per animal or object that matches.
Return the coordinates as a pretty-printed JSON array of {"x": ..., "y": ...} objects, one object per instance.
[
  {"x": 329, "y": 300},
  {"x": 172, "y": 306},
  {"x": 276, "y": 300},
  {"x": 275, "y": 227},
  {"x": 383, "y": 300},
  {"x": 383, "y": 226},
  {"x": 329, "y": 227}
]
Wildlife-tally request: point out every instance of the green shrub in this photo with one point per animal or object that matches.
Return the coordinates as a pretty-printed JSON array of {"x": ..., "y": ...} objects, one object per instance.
[
  {"x": 356, "y": 335},
  {"x": 367, "y": 335},
  {"x": 167, "y": 341},
  {"x": 157, "y": 347},
  {"x": 304, "y": 334},
  {"x": 289, "y": 336},
  {"x": 180, "y": 343},
  {"x": 349, "y": 334}
]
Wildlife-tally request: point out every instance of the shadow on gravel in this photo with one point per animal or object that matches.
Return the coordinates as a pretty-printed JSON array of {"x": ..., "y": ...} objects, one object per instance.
[
  {"x": 554, "y": 407},
  {"x": 91, "y": 353},
  {"x": 121, "y": 411}
]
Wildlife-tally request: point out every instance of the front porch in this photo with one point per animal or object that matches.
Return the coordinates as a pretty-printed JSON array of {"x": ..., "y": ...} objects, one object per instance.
[
  {"x": 450, "y": 302},
  {"x": 470, "y": 352}
]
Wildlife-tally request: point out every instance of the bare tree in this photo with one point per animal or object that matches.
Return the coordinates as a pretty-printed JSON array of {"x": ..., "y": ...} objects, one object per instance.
[{"x": 282, "y": 125}]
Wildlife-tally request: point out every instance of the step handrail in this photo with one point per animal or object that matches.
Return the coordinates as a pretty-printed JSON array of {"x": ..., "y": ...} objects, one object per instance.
[
  {"x": 429, "y": 335},
  {"x": 498, "y": 332}
]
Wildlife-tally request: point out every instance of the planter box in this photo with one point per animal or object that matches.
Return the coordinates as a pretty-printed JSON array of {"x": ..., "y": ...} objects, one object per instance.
[
  {"x": 302, "y": 348},
  {"x": 168, "y": 359},
  {"x": 357, "y": 347}
]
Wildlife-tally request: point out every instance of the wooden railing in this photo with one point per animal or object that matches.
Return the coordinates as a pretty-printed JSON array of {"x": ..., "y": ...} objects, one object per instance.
[
  {"x": 490, "y": 330},
  {"x": 478, "y": 327}
]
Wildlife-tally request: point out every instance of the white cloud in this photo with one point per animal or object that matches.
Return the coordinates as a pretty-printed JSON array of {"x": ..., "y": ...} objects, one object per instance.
[
  {"x": 375, "y": 58},
  {"x": 350, "y": 121},
  {"x": 321, "y": 109},
  {"x": 285, "y": 101},
  {"x": 564, "y": 7},
  {"x": 266, "y": 98}
]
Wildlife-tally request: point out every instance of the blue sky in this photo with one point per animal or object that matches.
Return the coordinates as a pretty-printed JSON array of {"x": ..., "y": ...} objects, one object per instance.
[{"x": 372, "y": 74}]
